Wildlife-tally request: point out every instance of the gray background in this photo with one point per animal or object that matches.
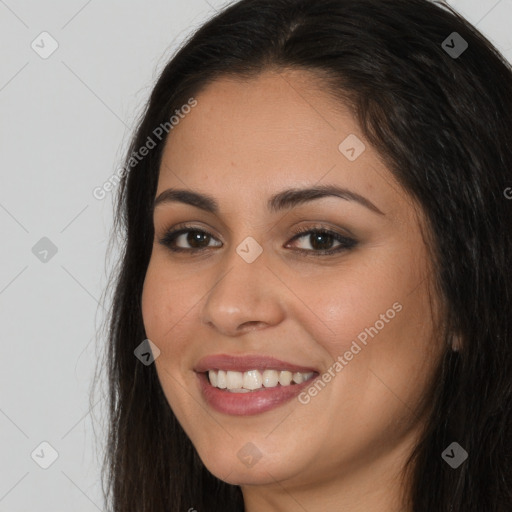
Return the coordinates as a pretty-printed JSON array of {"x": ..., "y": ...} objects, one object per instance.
[{"x": 65, "y": 123}]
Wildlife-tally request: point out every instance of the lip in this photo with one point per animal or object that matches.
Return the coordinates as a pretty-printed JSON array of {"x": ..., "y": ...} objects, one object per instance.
[
  {"x": 246, "y": 404},
  {"x": 247, "y": 363},
  {"x": 254, "y": 402}
]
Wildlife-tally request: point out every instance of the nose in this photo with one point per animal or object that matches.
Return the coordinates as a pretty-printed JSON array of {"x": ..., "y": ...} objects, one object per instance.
[{"x": 245, "y": 297}]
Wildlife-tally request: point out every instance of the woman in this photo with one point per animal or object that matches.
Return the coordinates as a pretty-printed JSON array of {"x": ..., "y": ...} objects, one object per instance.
[{"x": 312, "y": 310}]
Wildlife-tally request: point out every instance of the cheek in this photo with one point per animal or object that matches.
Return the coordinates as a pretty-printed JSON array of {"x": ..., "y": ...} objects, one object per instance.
[
  {"x": 153, "y": 304},
  {"x": 161, "y": 310},
  {"x": 164, "y": 309},
  {"x": 170, "y": 302},
  {"x": 385, "y": 340},
  {"x": 343, "y": 303},
  {"x": 164, "y": 299},
  {"x": 377, "y": 318}
]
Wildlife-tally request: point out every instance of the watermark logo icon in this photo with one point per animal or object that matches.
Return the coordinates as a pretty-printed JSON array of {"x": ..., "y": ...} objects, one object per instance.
[
  {"x": 44, "y": 45},
  {"x": 147, "y": 352},
  {"x": 44, "y": 250},
  {"x": 454, "y": 45},
  {"x": 249, "y": 454},
  {"x": 44, "y": 455},
  {"x": 454, "y": 455},
  {"x": 352, "y": 147},
  {"x": 249, "y": 249}
]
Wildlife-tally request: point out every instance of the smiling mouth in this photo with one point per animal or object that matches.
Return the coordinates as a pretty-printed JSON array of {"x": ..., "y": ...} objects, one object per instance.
[{"x": 255, "y": 380}]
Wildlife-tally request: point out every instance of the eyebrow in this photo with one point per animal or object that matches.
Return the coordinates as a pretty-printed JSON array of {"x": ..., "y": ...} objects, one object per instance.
[{"x": 280, "y": 201}]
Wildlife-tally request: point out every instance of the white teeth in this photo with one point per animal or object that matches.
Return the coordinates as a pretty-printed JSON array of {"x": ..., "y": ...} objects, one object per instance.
[
  {"x": 243, "y": 382},
  {"x": 270, "y": 378},
  {"x": 234, "y": 380},
  {"x": 252, "y": 379},
  {"x": 221, "y": 379},
  {"x": 285, "y": 378},
  {"x": 307, "y": 376},
  {"x": 298, "y": 377}
]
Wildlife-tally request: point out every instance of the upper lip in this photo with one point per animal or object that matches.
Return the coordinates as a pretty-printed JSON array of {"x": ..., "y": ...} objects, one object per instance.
[{"x": 246, "y": 363}]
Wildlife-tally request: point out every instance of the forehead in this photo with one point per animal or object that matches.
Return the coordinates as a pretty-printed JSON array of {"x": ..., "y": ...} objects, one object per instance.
[
  {"x": 257, "y": 136},
  {"x": 270, "y": 115}
]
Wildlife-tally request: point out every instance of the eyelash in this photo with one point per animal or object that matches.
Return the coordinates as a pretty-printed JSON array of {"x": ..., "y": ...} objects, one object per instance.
[{"x": 346, "y": 243}]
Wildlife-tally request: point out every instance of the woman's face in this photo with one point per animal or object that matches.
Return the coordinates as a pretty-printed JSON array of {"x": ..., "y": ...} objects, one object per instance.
[{"x": 247, "y": 285}]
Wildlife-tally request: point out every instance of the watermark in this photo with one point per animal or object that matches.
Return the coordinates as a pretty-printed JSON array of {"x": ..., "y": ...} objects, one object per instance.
[
  {"x": 44, "y": 45},
  {"x": 44, "y": 455},
  {"x": 147, "y": 352},
  {"x": 454, "y": 455},
  {"x": 508, "y": 192},
  {"x": 159, "y": 133},
  {"x": 352, "y": 147},
  {"x": 454, "y": 45},
  {"x": 249, "y": 249},
  {"x": 343, "y": 360},
  {"x": 249, "y": 454},
  {"x": 44, "y": 249}
]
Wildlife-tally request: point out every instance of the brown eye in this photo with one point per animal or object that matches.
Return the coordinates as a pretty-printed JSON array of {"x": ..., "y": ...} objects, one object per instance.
[
  {"x": 197, "y": 239},
  {"x": 320, "y": 240}
]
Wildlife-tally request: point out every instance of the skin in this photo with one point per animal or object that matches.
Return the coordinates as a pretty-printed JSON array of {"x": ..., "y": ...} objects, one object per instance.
[{"x": 345, "y": 448}]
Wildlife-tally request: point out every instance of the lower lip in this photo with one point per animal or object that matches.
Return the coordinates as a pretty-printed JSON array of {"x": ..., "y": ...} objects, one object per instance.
[{"x": 254, "y": 402}]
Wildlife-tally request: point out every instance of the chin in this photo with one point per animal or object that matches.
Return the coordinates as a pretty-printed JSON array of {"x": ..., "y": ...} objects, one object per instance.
[
  {"x": 246, "y": 476},
  {"x": 241, "y": 470}
]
